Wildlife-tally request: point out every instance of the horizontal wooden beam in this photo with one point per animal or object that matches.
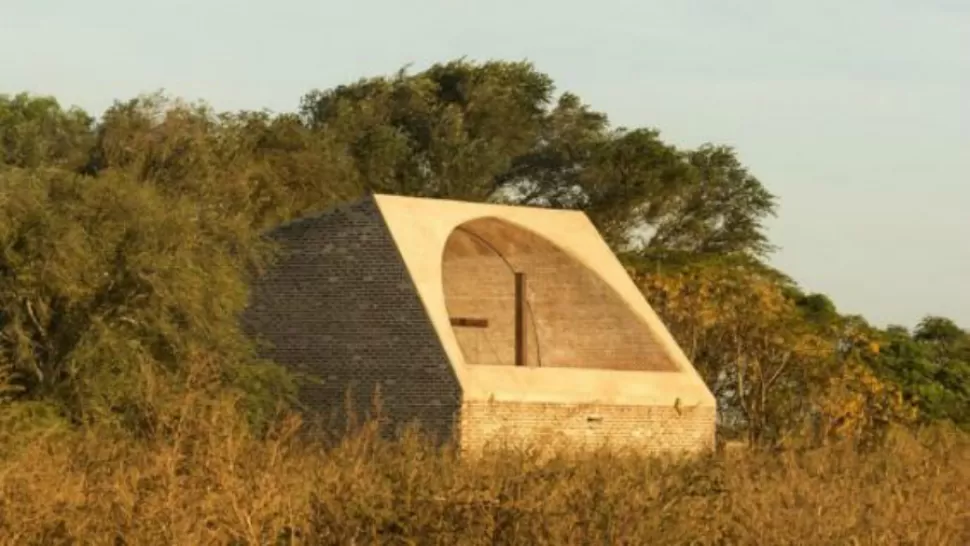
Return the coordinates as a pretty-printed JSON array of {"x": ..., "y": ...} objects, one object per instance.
[{"x": 469, "y": 322}]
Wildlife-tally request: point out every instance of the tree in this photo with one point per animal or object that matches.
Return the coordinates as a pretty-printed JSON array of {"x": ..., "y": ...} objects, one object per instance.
[
  {"x": 109, "y": 290},
  {"x": 720, "y": 210},
  {"x": 931, "y": 366},
  {"x": 490, "y": 131},
  {"x": 779, "y": 362},
  {"x": 246, "y": 169},
  {"x": 628, "y": 183},
  {"x": 855, "y": 400},
  {"x": 449, "y": 131},
  {"x": 746, "y": 338},
  {"x": 35, "y": 131}
]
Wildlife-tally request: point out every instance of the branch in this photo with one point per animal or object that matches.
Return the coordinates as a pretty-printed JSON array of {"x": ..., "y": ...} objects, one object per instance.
[
  {"x": 781, "y": 368},
  {"x": 33, "y": 319}
]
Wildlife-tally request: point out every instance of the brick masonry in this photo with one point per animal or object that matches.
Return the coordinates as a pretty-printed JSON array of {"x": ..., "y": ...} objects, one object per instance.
[
  {"x": 651, "y": 429},
  {"x": 574, "y": 320},
  {"x": 340, "y": 305}
]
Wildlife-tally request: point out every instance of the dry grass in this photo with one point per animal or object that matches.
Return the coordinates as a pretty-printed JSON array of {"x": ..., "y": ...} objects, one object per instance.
[{"x": 210, "y": 482}]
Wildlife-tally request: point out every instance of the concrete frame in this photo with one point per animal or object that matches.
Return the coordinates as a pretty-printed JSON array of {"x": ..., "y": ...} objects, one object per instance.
[{"x": 420, "y": 228}]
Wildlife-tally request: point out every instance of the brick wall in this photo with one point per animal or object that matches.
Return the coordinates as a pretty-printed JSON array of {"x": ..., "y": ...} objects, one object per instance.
[
  {"x": 483, "y": 286},
  {"x": 574, "y": 318},
  {"x": 340, "y": 304},
  {"x": 652, "y": 429}
]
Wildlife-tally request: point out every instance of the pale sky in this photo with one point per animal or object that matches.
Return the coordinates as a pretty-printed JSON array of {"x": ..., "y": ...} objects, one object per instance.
[{"x": 856, "y": 114}]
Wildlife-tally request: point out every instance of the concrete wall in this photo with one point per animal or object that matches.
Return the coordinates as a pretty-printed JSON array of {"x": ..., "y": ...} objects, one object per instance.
[
  {"x": 650, "y": 429},
  {"x": 340, "y": 304}
]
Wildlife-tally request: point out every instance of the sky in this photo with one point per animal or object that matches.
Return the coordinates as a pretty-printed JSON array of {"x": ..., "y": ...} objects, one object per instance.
[{"x": 855, "y": 114}]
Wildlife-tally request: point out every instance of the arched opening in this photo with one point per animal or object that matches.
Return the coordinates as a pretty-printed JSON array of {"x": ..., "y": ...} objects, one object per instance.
[{"x": 515, "y": 298}]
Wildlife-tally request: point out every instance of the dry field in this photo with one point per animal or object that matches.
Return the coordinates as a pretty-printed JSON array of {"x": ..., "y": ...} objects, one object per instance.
[{"x": 210, "y": 482}]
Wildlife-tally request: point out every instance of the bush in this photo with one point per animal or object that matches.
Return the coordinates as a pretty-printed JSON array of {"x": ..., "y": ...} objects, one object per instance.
[{"x": 213, "y": 482}]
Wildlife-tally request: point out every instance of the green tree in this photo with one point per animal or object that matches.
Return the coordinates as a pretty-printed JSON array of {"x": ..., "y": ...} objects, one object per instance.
[
  {"x": 449, "y": 131},
  {"x": 111, "y": 293},
  {"x": 35, "y": 131},
  {"x": 492, "y": 131},
  {"x": 719, "y": 209},
  {"x": 931, "y": 366},
  {"x": 244, "y": 169}
]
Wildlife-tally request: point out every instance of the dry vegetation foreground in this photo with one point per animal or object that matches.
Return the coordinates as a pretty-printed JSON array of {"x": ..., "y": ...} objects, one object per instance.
[{"x": 211, "y": 482}]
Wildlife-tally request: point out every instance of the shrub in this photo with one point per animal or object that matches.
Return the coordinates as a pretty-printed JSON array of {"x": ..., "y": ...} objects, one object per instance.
[{"x": 211, "y": 481}]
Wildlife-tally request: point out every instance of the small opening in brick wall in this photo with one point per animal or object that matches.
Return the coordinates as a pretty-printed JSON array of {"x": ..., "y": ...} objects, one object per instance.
[{"x": 594, "y": 419}]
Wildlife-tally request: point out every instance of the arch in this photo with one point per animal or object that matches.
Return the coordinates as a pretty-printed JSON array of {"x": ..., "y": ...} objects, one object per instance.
[{"x": 571, "y": 316}]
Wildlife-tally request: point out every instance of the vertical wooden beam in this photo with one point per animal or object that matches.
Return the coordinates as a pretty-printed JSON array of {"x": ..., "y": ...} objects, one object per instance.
[{"x": 520, "y": 319}]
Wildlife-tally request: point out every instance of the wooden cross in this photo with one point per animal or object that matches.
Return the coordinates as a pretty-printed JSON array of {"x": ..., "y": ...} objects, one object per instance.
[{"x": 469, "y": 322}]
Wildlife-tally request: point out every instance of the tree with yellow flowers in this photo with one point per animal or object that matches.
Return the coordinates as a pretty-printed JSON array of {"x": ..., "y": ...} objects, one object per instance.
[{"x": 778, "y": 362}]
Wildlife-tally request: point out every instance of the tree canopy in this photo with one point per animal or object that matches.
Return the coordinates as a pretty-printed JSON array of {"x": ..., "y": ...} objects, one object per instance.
[{"x": 126, "y": 244}]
